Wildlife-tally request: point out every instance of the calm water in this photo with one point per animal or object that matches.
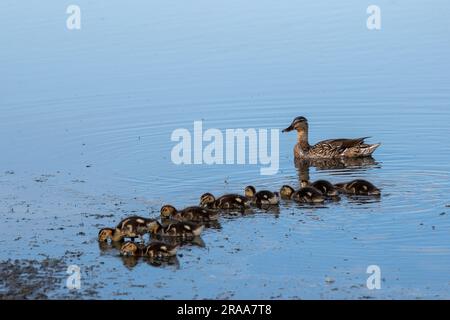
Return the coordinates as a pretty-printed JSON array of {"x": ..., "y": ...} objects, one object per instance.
[{"x": 86, "y": 119}]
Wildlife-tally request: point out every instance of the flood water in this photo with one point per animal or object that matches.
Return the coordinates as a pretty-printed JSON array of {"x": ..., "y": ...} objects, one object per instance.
[{"x": 87, "y": 116}]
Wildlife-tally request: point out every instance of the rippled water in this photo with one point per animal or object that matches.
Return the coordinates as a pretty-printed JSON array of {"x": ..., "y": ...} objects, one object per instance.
[{"x": 87, "y": 117}]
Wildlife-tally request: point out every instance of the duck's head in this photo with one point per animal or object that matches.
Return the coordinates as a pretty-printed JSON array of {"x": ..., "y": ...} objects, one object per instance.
[
  {"x": 299, "y": 124},
  {"x": 105, "y": 234},
  {"x": 286, "y": 192},
  {"x": 168, "y": 211},
  {"x": 250, "y": 191},
  {"x": 129, "y": 249},
  {"x": 207, "y": 200}
]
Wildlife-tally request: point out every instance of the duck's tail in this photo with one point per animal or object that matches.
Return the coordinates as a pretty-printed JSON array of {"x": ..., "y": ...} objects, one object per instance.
[{"x": 369, "y": 149}]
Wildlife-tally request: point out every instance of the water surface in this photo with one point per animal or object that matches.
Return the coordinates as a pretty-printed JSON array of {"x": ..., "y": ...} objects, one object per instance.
[{"x": 85, "y": 137}]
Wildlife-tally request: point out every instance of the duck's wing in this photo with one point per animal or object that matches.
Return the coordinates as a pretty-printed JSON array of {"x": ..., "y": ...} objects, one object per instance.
[{"x": 343, "y": 143}]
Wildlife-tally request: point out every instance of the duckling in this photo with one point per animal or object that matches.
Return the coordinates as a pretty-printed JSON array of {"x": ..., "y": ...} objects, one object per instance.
[
  {"x": 194, "y": 213},
  {"x": 304, "y": 195},
  {"x": 359, "y": 187},
  {"x": 131, "y": 227},
  {"x": 109, "y": 233},
  {"x": 228, "y": 201},
  {"x": 308, "y": 195},
  {"x": 131, "y": 249},
  {"x": 327, "y": 149},
  {"x": 286, "y": 192},
  {"x": 153, "y": 250},
  {"x": 263, "y": 197},
  {"x": 326, "y": 187},
  {"x": 181, "y": 229},
  {"x": 160, "y": 250}
]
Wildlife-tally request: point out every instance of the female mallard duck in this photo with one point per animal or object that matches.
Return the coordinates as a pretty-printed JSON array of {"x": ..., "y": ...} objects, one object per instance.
[
  {"x": 304, "y": 195},
  {"x": 263, "y": 197},
  {"x": 228, "y": 201},
  {"x": 333, "y": 148},
  {"x": 324, "y": 186},
  {"x": 359, "y": 187},
  {"x": 182, "y": 229},
  {"x": 153, "y": 250},
  {"x": 131, "y": 227},
  {"x": 194, "y": 214}
]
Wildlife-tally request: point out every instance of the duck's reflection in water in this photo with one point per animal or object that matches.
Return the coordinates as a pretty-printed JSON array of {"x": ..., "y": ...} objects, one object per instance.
[
  {"x": 269, "y": 208},
  {"x": 132, "y": 261},
  {"x": 129, "y": 261},
  {"x": 361, "y": 200},
  {"x": 163, "y": 262},
  {"x": 108, "y": 247},
  {"x": 178, "y": 241},
  {"x": 350, "y": 164}
]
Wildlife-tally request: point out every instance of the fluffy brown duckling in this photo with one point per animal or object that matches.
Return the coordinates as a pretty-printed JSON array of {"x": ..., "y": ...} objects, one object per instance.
[
  {"x": 263, "y": 197},
  {"x": 358, "y": 187},
  {"x": 153, "y": 250},
  {"x": 326, "y": 187},
  {"x": 228, "y": 201},
  {"x": 131, "y": 227},
  {"x": 182, "y": 229},
  {"x": 304, "y": 195},
  {"x": 194, "y": 214}
]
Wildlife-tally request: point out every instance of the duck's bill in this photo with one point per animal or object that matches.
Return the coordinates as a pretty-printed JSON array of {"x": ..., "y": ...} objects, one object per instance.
[{"x": 290, "y": 128}]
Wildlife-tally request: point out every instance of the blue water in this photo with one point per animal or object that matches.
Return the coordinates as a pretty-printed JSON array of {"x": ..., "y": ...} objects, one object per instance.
[{"x": 89, "y": 113}]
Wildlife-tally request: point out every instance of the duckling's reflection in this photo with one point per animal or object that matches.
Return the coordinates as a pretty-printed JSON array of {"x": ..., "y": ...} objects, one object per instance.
[
  {"x": 360, "y": 200},
  {"x": 269, "y": 208},
  {"x": 190, "y": 241},
  {"x": 163, "y": 262},
  {"x": 234, "y": 213},
  {"x": 131, "y": 261},
  {"x": 106, "y": 247}
]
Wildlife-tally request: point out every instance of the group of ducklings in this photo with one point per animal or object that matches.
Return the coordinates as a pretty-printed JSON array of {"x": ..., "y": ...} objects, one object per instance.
[
  {"x": 315, "y": 192},
  {"x": 189, "y": 223},
  {"x": 136, "y": 227}
]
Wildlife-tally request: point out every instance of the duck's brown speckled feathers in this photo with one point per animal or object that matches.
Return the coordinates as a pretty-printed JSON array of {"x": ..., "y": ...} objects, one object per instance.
[{"x": 332, "y": 148}]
